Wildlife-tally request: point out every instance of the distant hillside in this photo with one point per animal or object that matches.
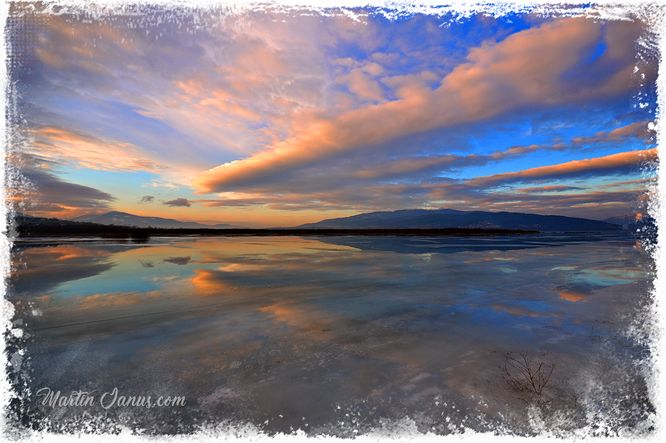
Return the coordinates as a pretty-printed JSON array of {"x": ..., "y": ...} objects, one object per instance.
[
  {"x": 620, "y": 221},
  {"x": 124, "y": 219},
  {"x": 449, "y": 218},
  {"x": 39, "y": 222},
  {"x": 27, "y": 226},
  {"x": 631, "y": 221},
  {"x": 643, "y": 227}
]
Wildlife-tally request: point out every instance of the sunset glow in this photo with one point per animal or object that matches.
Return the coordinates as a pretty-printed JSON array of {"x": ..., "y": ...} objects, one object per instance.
[{"x": 268, "y": 118}]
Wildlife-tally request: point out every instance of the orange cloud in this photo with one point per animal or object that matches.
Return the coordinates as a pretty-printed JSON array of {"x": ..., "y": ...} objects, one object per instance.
[
  {"x": 363, "y": 85},
  {"x": 223, "y": 102},
  {"x": 496, "y": 78},
  {"x": 609, "y": 164},
  {"x": 637, "y": 129},
  {"x": 551, "y": 188},
  {"x": 78, "y": 35},
  {"x": 58, "y": 145}
]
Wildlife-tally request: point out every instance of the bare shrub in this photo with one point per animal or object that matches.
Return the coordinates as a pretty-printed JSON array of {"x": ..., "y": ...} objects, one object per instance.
[{"x": 527, "y": 376}]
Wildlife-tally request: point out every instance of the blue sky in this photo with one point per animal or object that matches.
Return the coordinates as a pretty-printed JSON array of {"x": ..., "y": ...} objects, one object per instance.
[{"x": 280, "y": 118}]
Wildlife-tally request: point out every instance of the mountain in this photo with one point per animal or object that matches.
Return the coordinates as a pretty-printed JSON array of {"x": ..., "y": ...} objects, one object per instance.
[
  {"x": 621, "y": 221},
  {"x": 450, "y": 218},
  {"x": 632, "y": 221},
  {"x": 20, "y": 219},
  {"x": 643, "y": 226},
  {"x": 124, "y": 219}
]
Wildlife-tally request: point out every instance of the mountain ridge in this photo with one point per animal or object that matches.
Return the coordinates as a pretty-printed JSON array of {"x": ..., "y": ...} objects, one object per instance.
[
  {"x": 120, "y": 218},
  {"x": 451, "y": 218}
]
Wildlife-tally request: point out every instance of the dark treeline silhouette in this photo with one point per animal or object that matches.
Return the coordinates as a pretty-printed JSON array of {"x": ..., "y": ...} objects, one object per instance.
[{"x": 25, "y": 226}]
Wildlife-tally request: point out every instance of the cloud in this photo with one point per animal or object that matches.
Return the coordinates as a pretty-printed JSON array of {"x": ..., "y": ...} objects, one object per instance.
[
  {"x": 361, "y": 181},
  {"x": 496, "y": 78},
  {"x": 639, "y": 129},
  {"x": 482, "y": 193},
  {"x": 414, "y": 166},
  {"x": 40, "y": 192},
  {"x": 363, "y": 85},
  {"x": 611, "y": 164},
  {"x": 550, "y": 188},
  {"x": 585, "y": 202},
  {"x": 146, "y": 199},
  {"x": 212, "y": 203},
  {"x": 323, "y": 113},
  {"x": 641, "y": 183},
  {"x": 356, "y": 170},
  {"x": 178, "y": 202},
  {"x": 62, "y": 145}
]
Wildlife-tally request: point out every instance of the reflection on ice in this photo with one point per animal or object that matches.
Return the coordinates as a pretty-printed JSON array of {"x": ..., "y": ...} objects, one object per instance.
[{"x": 283, "y": 331}]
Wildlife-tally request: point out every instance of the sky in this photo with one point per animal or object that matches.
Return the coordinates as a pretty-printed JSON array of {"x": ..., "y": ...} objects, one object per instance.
[{"x": 277, "y": 118}]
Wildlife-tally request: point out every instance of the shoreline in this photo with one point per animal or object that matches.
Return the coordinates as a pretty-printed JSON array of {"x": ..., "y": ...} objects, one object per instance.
[{"x": 24, "y": 232}]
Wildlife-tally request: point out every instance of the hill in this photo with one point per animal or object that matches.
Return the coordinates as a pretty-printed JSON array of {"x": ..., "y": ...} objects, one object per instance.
[
  {"x": 450, "y": 218},
  {"x": 125, "y": 219}
]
